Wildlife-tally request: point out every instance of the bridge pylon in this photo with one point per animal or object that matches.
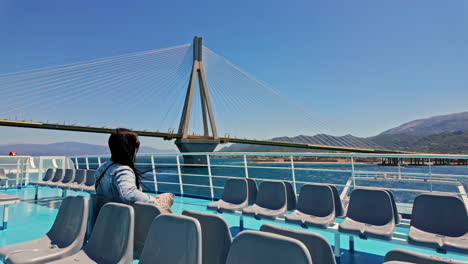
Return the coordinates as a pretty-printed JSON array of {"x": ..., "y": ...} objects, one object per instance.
[{"x": 208, "y": 142}]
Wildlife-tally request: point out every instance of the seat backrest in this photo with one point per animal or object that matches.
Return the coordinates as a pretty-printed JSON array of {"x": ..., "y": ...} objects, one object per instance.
[
  {"x": 290, "y": 195},
  {"x": 319, "y": 249},
  {"x": 406, "y": 256},
  {"x": 96, "y": 202},
  {"x": 235, "y": 191},
  {"x": 271, "y": 195},
  {"x": 58, "y": 176},
  {"x": 69, "y": 228},
  {"x": 339, "y": 211},
  {"x": 69, "y": 176},
  {"x": 216, "y": 236},
  {"x": 256, "y": 247},
  {"x": 50, "y": 173},
  {"x": 371, "y": 206},
  {"x": 2, "y": 172},
  {"x": 317, "y": 200},
  {"x": 145, "y": 213},
  {"x": 252, "y": 185},
  {"x": 112, "y": 238},
  {"x": 90, "y": 180},
  {"x": 173, "y": 239},
  {"x": 437, "y": 213},
  {"x": 80, "y": 176},
  {"x": 395, "y": 209}
]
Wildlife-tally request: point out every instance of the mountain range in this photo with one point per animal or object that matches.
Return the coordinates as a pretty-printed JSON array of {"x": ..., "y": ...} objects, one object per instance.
[
  {"x": 437, "y": 134},
  {"x": 65, "y": 149}
]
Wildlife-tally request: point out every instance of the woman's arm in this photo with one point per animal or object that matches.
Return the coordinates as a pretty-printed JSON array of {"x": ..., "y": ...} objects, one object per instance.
[{"x": 128, "y": 192}]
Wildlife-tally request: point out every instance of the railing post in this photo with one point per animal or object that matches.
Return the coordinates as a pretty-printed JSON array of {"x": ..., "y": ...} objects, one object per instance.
[
  {"x": 208, "y": 161},
  {"x": 17, "y": 173},
  {"x": 154, "y": 174},
  {"x": 181, "y": 185},
  {"x": 77, "y": 166},
  {"x": 87, "y": 162},
  {"x": 99, "y": 161},
  {"x": 430, "y": 173},
  {"x": 353, "y": 173},
  {"x": 399, "y": 169},
  {"x": 293, "y": 172},
  {"x": 246, "y": 167}
]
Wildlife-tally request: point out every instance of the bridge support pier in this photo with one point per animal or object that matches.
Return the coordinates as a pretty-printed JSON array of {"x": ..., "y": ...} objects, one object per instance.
[{"x": 196, "y": 145}]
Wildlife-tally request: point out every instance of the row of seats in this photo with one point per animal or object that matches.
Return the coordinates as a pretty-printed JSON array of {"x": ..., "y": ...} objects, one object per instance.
[
  {"x": 123, "y": 233},
  {"x": 79, "y": 180},
  {"x": 437, "y": 221}
]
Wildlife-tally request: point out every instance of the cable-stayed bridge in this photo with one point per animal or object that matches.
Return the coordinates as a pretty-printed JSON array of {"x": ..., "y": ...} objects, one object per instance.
[{"x": 188, "y": 93}]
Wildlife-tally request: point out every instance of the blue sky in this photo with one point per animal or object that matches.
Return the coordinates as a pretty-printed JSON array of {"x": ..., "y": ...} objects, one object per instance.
[{"x": 364, "y": 66}]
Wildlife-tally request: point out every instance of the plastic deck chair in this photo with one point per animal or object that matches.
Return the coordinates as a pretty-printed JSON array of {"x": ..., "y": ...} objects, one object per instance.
[
  {"x": 96, "y": 202},
  {"x": 441, "y": 221},
  {"x": 401, "y": 256},
  {"x": 145, "y": 213},
  {"x": 173, "y": 239},
  {"x": 90, "y": 181},
  {"x": 319, "y": 249},
  {"x": 69, "y": 175},
  {"x": 290, "y": 195},
  {"x": 271, "y": 201},
  {"x": 235, "y": 196},
  {"x": 370, "y": 214},
  {"x": 78, "y": 181},
  {"x": 252, "y": 185},
  {"x": 58, "y": 176},
  {"x": 216, "y": 236},
  {"x": 47, "y": 177},
  {"x": 111, "y": 240},
  {"x": 316, "y": 207},
  {"x": 396, "y": 215},
  {"x": 256, "y": 247},
  {"x": 339, "y": 211},
  {"x": 65, "y": 238}
]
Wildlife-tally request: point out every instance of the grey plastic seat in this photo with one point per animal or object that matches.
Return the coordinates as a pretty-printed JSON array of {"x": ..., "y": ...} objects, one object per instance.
[
  {"x": 80, "y": 178},
  {"x": 439, "y": 221},
  {"x": 58, "y": 176},
  {"x": 370, "y": 214},
  {"x": 256, "y": 247},
  {"x": 68, "y": 177},
  {"x": 252, "y": 185},
  {"x": 47, "y": 177},
  {"x": 339, "y": 211},
  {"x": 290, "y": 195},
  {"x": 96, "y": 202},
  {"x": 111, "y": 240},
  {"x": 216, "y": 236},
  {"x": 89, "y": 182},
  {"x": 144, "y": 215},
  {"x": 396, "y": 215},
  {"x": 401, "y": 256},
  {"x": 235, "y": 196},
  {"x": 65, "y": 237},
  {"x": 315, "y": 208},
  {"x": 173, "y": 239},
  {"x": 271, "y": 201},
  {"x": 319, "y": 249}
]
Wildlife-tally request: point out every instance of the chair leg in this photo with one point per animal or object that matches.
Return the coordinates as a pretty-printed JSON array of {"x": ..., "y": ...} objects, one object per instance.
[
  {"x": 351, "y": 244},
  {"x": 337, "y": 247},
  {"x": 5, "y": 217},
  {"x": 36, "y": 195}
]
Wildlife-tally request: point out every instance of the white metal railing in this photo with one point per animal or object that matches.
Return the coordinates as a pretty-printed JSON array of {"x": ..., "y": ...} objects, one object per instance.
[{"x": 247, "y": 164}]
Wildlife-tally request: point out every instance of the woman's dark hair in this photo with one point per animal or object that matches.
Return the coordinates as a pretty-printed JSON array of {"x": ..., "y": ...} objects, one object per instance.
[{"x": 123, "y": 145}]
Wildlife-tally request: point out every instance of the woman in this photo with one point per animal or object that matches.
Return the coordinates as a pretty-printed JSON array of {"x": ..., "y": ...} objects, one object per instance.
[{"x": 119, "y": 180}]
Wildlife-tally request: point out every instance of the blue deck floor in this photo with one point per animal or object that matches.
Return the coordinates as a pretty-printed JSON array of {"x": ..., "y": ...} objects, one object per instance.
[{"x": 30, "y": 220}]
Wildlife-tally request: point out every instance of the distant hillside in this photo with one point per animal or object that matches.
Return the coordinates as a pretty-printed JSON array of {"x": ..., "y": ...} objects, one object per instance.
[
  {"x": 438, "y": 134},
  {"x": 445, "y": 142},
  {"x": 314, "y": 140},
  {"x": 432, "y": 125},
  {"x": 64, "y": 149}
]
